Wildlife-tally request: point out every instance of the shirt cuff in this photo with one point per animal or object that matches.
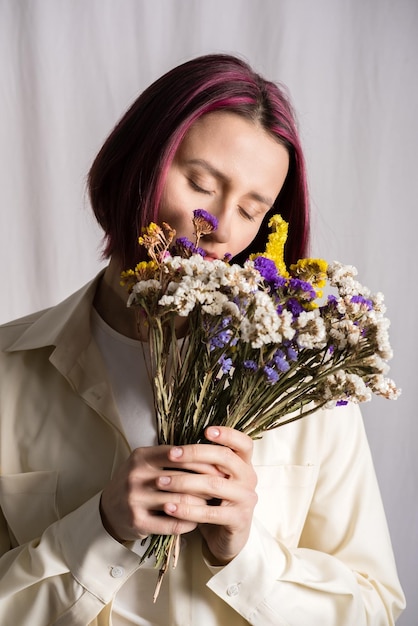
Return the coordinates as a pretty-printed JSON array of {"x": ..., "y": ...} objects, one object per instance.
[
  {"x": 245, "y": 582},
  {"x": 97, "y": 561}
]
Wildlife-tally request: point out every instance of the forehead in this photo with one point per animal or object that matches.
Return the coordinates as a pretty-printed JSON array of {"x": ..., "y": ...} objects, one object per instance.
[
  {"x": 220, "y": 126},
  {"x": 238, "y": 147}
]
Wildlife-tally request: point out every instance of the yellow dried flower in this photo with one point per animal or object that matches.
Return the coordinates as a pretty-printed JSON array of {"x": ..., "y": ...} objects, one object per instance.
[
  {"x": 313, "y": 271},
  {"x": 143, "y": 271},
  {"x": 146, "y": 270},
  {"x": 151, "y": 235},
  {"x": 275, "y": 244},
  {"x": 156, "y": 240}
]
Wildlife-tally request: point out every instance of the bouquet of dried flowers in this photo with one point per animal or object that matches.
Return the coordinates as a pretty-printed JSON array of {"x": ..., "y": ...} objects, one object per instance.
[{"x": 263, "y": 346}]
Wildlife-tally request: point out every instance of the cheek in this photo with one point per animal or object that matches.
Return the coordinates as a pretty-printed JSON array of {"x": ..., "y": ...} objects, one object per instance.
[
  {"x": 247, "y": 233},
  {"x": 173, "y": 212}
]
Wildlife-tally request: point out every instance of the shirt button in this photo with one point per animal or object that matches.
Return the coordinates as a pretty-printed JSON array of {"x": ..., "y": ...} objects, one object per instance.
[
  {"x": 117, "y": 571},
  {"x": 233, "y": 590}
]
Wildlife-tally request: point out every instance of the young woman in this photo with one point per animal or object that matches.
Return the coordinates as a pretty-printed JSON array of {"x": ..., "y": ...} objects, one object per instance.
[{"x": 300, "y": 536}]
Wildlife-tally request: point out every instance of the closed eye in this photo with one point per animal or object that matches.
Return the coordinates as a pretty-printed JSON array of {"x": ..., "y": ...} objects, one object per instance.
[
  {"x": 197, "y": 187},
  {"x": 246, "y": 215}
]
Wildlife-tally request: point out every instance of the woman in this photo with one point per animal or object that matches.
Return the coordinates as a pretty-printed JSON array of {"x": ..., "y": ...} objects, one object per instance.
[{"x": 300, "y": 536}]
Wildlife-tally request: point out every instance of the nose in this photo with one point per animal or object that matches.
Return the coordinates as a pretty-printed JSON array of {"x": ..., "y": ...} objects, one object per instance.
[{"x": 222, "y": 234}]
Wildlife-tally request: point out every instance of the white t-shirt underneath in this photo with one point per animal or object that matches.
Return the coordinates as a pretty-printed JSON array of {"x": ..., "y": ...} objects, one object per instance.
[{"x": 126, "y": 362}]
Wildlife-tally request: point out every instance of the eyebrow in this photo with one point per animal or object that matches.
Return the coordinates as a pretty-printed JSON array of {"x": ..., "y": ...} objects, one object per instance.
[{"x": 221, "y": 176}]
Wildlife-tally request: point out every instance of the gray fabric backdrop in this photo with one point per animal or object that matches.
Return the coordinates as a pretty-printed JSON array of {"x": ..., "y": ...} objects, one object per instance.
[{"x": 69, "y": 68}]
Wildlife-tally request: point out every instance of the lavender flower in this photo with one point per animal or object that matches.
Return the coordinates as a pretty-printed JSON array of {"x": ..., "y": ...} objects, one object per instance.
[
  {"x": 271, "y": 374},
  {"x": 279, "y": 360},
  {"x": 357, "y": 299},
  {"x": 304, "y": 289},
  {"x": 294, "y": 306},
  {"x": 204, "y": 223},
  {"x": 225, "y": 363},
  {"x": 292, "y": 353},
  {"x": 268, "y": 271},
  {"x": 220, "y": 340},
  {"x": 185, "y": 248}
]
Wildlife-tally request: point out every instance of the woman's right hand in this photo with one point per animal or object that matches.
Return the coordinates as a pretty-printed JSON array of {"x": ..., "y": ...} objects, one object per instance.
[{"x": 131, "y": 506}]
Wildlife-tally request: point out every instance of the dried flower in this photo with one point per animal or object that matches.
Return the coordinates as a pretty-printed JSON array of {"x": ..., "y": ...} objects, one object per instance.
[
  {"x": 260, "y": 352},
  {"x": 204, "y": 223}
]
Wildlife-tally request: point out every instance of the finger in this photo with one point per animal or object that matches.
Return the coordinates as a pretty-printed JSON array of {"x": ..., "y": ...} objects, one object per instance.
[
  {"x": 197, "y": 456},
  {"x": 153, "y": 520},
  {"x": 204, "y": 486},
  {"x": 224, "y": 515},
  {"x": 240, "y": 443}
]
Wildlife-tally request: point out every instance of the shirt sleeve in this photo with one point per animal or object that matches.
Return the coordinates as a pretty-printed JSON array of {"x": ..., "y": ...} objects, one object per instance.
[
  {"x": 67, "y": 576},
  {"x": 342, "y": 571}
]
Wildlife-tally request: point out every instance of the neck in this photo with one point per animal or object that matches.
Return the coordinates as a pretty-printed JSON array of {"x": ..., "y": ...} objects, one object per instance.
[{"x": 110, "y": 303}]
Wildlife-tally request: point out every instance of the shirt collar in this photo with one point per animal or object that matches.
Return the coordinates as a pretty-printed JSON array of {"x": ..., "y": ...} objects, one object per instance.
[{"x": 66, "y": 324}]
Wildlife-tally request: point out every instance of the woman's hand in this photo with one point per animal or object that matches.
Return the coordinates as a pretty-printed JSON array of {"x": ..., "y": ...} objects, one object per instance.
[
  {"x": 132, "y": 504},
  {"x": 230, "y": 481}
]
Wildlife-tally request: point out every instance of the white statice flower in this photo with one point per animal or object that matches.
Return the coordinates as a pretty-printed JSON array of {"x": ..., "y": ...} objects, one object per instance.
[
  {"x": 230, "y": 309},
  {"x": 344, "y": 332},
  {"x": 342, "y": 277},
  {"x": 213, "y": 302},
  {"x": 266, "y": 326},
  {"x": 385, "y": 387},
  {"x": 194, "y": 266},
  {"x": 182, "y": 296},
  {"x": 377, "y": 364},
  {"x": 236, "y": 279},
  {"x": 378, "y": 300},
  {"x": 359, "y": 311},
  {"x": 311, "y": 330},
  {"x": 382, "y": 338},
  {"x": 343, "y": 385},
  {"x": 142, "y": 290}
]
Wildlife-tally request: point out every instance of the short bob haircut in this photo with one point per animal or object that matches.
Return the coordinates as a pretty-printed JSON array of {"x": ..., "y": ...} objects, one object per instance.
[{"x": 126, "y": 180}]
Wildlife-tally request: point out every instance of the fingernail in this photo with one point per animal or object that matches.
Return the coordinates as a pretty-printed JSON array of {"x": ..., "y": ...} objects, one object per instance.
[
  {"x": 176, "y": 452},
  {"x": 214, "y": 432},
  {"x": 164, "y": 480},
  {"x": 170, "y": 508}
]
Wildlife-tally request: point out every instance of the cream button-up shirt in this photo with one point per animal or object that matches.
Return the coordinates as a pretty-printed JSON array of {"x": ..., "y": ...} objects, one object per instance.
[{"x": 318, "y": 554}]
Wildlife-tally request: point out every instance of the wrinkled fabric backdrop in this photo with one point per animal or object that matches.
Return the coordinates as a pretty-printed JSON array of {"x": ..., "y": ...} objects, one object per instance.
[{"x": 70, "y": 68}]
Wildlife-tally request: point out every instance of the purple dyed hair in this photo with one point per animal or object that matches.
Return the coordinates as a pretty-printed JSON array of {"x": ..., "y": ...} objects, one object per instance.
[{"x": 126, "y": 179}]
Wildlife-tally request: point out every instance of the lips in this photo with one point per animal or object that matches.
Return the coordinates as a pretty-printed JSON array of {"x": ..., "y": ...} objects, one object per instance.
[{"x": 210, "y": 256}]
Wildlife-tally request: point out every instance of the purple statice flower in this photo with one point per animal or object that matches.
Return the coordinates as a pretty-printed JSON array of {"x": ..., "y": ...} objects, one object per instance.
[
  {"x": 292, "y": 353},
  {"x": 185, "y": 248},
  {"x": 225, "y": 363},
  {"x": 205, "y": 222},
  {"x": 341, "y": 402},
  {"x": 294, "y": 306},
  {"x": 250, "y": 365},
  {"x": 272, "y": 375},
  {"x": 295, "y": 284},
  {"x": 279, "y": 360},
  {"x": 220, "y": 340},
  {"x": 268, "y": 271},
  {"x": 362, "y": 300},
  {"x": 331, "y": 303},
  {"x": 227, "y": 257}
]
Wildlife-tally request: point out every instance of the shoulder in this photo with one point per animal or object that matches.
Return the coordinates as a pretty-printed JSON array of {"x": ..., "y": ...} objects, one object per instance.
[{"x": 312, "y": 439}]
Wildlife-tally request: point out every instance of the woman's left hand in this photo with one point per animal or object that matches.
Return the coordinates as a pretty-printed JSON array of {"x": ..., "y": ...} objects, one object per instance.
[{"x": 230, "y": 484}]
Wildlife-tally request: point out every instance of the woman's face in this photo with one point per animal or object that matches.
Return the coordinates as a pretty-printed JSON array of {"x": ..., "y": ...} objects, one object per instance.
[{"x": 232, "y": 168}]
